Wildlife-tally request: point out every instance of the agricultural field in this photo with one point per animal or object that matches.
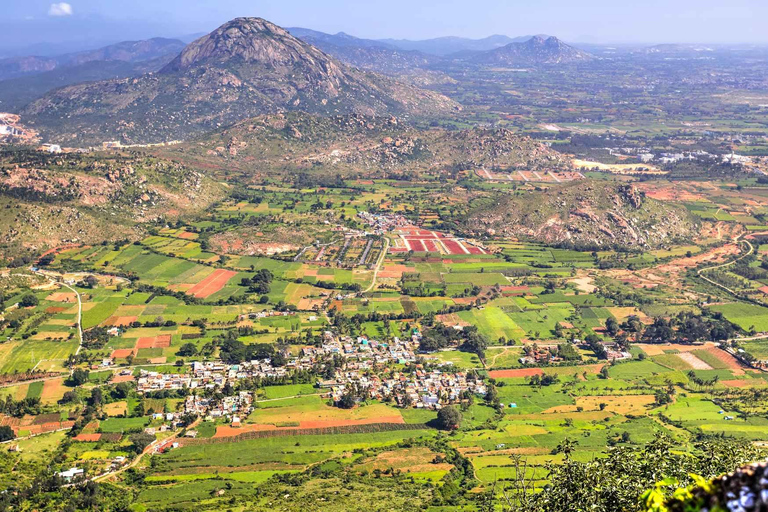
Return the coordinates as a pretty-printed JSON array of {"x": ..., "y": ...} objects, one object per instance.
[{"x": 601, "y": 347}]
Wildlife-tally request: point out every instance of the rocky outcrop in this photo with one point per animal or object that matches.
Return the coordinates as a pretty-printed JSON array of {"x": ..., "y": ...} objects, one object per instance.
[{"x": 584, "y": 214}]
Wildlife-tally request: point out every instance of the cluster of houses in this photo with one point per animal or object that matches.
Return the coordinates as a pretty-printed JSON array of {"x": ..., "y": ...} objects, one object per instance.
[
  {"x": 383, "y": 223},
  {"x": 210, "y": 375},
  {"x": 264, "y": 314},
  {"x": 423, "y": 389},
  {"x": 363, "y": 353}
]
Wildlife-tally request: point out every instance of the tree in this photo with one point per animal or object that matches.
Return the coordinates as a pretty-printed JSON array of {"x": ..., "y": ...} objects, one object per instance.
[
  {"x": 6, "y": 433},
  {"x": 96, "y": 397},
  {"x": 492, "y": 395},
  {"x": 29, "y": 301},
  {"x": 449, "y": 418},
  {"x": 187, "y": 350},
  {"x": 79, "y": 377},
  {"x": 121, "y": 391},
  {"x": 141, "y": 441},
  {"x": 348, "y": 400}
]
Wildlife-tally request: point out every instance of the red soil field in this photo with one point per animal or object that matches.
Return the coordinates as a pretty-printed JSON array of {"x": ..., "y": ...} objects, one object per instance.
[
  {"x": 416, "y": 245},
  {"x": 511, "y": 374},
  {"x": 227, "y": 431},
  {"x": 211, "y": 284},
  {"x": 87, "y": 438},
  {"x": 122, "y": 378},
  {"x": 144, "y": 343},
  {"x": 725, "y": 357},
  {"x": 121, "y": 353},
  {"x": 736, "y": 383},
  {"x": 162, "y": 341},
  {"x": 431, "y": 246},
  {"x": 453, "y": 247}
]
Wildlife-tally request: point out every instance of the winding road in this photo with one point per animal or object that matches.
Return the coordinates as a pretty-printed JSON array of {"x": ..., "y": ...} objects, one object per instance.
[{"x": 726, "y": 264}]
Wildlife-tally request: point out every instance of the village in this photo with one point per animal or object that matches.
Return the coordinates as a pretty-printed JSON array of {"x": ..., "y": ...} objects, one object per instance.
[{"x": 367, "y": 372}]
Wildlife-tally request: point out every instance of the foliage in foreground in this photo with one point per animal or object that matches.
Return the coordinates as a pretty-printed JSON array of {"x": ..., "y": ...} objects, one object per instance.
[{"x": 617, "y": 482}]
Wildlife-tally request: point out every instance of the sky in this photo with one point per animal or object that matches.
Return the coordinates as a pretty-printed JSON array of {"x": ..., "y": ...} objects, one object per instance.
[{"x": 77, "y": 22}]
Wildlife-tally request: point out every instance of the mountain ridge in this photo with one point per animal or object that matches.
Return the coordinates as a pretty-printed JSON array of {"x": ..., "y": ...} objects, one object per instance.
[{"x": 125, "y": 51}]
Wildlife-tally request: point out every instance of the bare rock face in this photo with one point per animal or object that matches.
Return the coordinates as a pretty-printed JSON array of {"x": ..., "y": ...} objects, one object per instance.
[{"x": 245, "y": 68}]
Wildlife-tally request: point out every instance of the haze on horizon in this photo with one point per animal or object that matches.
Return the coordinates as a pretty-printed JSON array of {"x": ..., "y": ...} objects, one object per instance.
[{"x": 37, "y": 22}]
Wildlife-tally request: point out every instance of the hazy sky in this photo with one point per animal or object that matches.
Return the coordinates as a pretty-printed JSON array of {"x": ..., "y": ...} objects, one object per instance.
[{"x": 608, "y": 21}]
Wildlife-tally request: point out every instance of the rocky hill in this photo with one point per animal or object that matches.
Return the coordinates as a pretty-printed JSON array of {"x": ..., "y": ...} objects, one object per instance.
[
  {"x": 356, "y": 143},
  {"x": 47, "y": 200},
  {"x": 585, "y": 214},
  {"x": 244, "y": 68},
  {"x": 535, "y": 51}
]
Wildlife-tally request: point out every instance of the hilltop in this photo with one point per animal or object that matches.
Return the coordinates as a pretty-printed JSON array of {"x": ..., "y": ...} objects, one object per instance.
[
  {"x": 590, "y": 214},
  {"x": 535, "y": 51},
  {"x": 244, "y": 68}
]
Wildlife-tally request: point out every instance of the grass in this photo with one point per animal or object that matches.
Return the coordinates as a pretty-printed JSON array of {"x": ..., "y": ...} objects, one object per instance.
[
  {"x": 272, "y": 392},
  {"x": 292, "y": 450},
  {"x": 746, "y": 316},
  {"x": 311, "y": 408}
]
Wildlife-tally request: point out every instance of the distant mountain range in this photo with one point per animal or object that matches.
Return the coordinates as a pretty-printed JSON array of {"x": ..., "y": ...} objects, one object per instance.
[
  {"x": 367, "y": 53},
  {"x": 246, "y": 67},
  {"x": 127, "y": 51},
  {"x": 444, "y": 46},
  {"x": 392, "y": 56}
]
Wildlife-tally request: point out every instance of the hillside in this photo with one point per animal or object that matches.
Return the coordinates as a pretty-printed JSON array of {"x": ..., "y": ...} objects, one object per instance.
[
  {"x": 246, "y": 67},
  {"x": 535, "y": 51},
  {"x": 591, "y": 214},
  {"x": 53, "y": 199},
  {"x": 357, "y": 143}
]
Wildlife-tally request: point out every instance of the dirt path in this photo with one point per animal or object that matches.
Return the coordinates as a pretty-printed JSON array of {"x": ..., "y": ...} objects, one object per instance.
[
  {"x": 148, "y": 450},
  {"x": 79, "y": 317},
  {"x": 382, "y": 256},
  {"x": 700, "y": 273}
]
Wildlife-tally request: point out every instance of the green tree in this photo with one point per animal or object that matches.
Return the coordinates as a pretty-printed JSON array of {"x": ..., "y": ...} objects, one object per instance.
[
  {"x": 29, "y": 301},
  {"x": 449, "y": 418}
]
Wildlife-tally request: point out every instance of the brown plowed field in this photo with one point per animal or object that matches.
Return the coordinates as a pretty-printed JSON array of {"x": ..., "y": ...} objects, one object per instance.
[{"x": 211, "y": 284}]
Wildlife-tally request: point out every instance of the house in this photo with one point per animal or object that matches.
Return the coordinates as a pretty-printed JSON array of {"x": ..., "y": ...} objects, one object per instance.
[{"x": 72, "y": 474}]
